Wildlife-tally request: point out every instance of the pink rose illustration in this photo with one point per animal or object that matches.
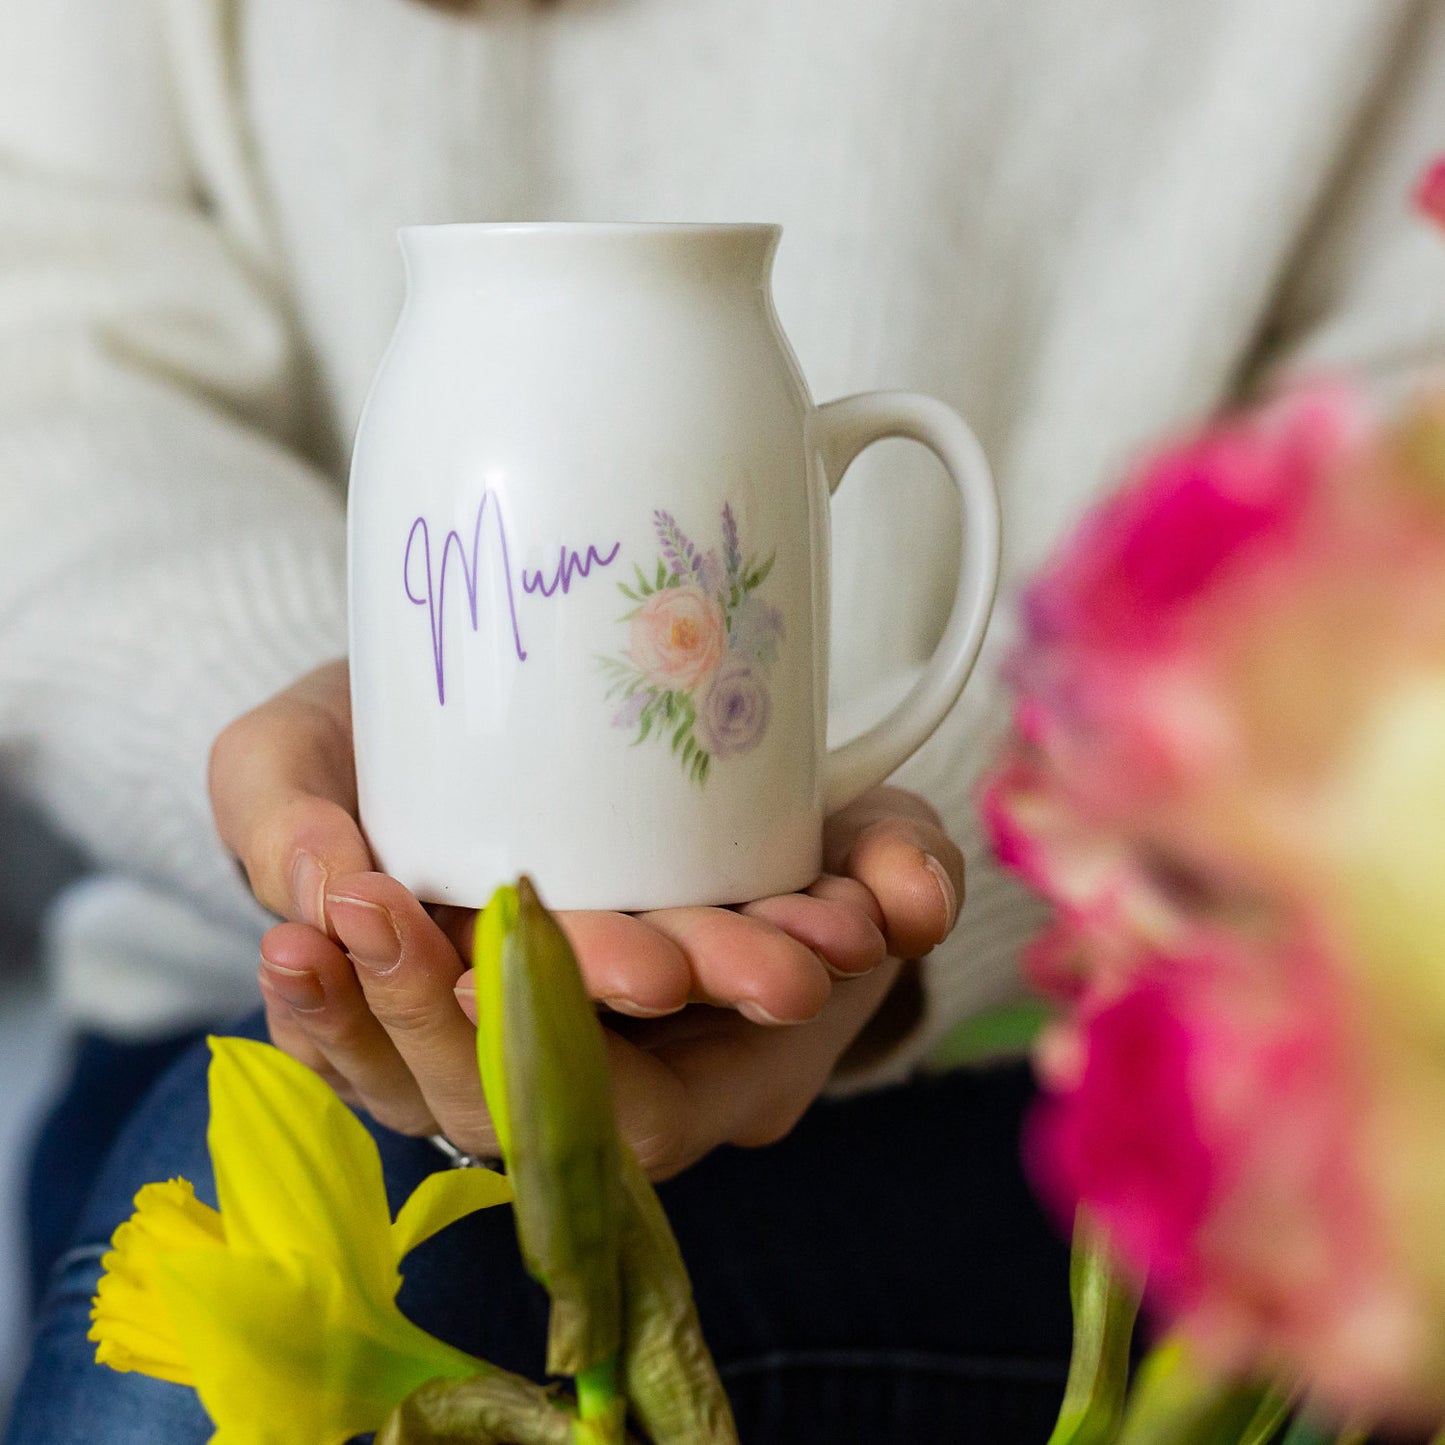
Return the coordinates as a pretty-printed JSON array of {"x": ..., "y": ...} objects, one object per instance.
[
  {"x": 677, "y": 638},
  {"x": 734, "y": 713}
]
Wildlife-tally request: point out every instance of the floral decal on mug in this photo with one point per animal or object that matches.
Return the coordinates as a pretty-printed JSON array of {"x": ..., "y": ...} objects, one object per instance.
[{"x": 700, "y": 646}]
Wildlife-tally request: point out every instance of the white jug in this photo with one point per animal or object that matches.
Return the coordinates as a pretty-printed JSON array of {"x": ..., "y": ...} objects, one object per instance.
[{"x": 589, "y": 572}]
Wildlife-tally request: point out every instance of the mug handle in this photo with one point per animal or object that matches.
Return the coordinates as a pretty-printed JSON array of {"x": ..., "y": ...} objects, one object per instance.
[{"x": 843, "y": 429}]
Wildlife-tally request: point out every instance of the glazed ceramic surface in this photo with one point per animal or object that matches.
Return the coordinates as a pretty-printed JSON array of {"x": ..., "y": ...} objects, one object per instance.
[{"x": 589, "y": 572}]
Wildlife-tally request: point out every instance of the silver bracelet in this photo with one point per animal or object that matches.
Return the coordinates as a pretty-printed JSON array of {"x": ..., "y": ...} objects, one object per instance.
[{"x": 457, "y": 1158}]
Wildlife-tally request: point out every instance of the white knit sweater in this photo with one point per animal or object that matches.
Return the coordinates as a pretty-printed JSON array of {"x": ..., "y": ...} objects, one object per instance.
[{"x": 1081, "y": 222}]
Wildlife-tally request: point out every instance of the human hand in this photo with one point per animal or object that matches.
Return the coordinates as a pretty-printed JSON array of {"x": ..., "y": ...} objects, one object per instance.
[{"x": 284, "y": 795}]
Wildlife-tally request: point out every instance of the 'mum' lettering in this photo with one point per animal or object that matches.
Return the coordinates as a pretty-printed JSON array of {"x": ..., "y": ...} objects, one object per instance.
[{"x": 571, "y": 564}]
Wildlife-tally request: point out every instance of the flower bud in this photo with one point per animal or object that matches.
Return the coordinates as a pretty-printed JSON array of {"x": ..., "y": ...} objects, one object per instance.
[{"x": 544, "y": 1071}]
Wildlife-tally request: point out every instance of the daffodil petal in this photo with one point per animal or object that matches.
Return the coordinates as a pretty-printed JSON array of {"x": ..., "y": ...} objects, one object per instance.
[
  {"x": 443, "y": 1198},
  {"x": 295, "y": 1168},
  {"x": 130, "y": 1323},
  {"x": 286, "y": 1350}
]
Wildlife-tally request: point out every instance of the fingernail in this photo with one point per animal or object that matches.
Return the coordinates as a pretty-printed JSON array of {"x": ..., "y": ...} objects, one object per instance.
[
  {"x": 637, "y": 1010},
  {"x": 367, "y": 932},
  {"x": 758, "y": 1014},
  {"x": 308, "y": 888},
  {"x": 946, "y": 888},
  {"x": 297, "y": 987}
]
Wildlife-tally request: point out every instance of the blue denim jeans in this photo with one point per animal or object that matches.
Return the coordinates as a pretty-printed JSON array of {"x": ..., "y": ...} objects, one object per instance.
[{"x": 883, "y": 1274}]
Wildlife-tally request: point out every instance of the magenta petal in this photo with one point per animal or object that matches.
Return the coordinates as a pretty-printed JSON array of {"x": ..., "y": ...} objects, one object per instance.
[
  {"x": 1430, "y": 192},
  {"x": 1126, "y": 1144}
]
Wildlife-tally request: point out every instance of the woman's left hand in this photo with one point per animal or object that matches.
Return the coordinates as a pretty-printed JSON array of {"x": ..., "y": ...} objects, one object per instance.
[{"x": 395, "y": 1033}]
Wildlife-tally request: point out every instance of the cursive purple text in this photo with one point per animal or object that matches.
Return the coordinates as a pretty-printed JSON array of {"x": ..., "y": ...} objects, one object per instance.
[{"x": 571, "y": 564}]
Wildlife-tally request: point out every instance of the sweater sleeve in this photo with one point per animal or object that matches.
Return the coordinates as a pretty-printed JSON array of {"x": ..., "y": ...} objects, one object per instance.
[{"x": 165, "y": 561}]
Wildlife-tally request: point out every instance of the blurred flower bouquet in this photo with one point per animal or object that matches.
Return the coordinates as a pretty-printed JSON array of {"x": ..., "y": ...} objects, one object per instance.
[{"x": 1228, "y": 776}]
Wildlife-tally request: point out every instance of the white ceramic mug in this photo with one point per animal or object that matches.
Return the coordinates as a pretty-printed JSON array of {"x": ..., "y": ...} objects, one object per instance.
[{"x": 589, "y": 572}]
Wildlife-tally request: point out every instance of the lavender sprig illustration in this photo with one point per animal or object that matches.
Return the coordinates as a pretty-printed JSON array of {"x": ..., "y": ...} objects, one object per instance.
[
  {"x": 680, "y": 555},
  {"x": 732, "y": 552}
]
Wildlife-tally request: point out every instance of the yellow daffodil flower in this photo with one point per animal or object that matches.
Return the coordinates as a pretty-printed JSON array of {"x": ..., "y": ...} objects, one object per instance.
[{"x": 280, "y": 1308}]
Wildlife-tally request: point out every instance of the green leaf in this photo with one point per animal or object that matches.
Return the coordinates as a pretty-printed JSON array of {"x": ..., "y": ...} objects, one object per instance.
[
  {"x": 661, "y": 575},
  {"x": 668, "y": 1374},
  {"x": 643, "y": 585},
  {"x": 1174, "y": 1403},
  {"x": 486, "y": 1410},
  {"x": 626, "y": 591},
  {"x": 1008, "y": 1030},
  {"x": 1104, "y": 1313}
]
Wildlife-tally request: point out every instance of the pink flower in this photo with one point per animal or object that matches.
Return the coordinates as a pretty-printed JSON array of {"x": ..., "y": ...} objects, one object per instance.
[
  {"x": 1221, "y": 499},
  {"x": 1430, "y": 192},
  {"x": 1215, "y": 1127},
  {"x": 1228, "y": 777},
  {"x": 677, "y": 638}
]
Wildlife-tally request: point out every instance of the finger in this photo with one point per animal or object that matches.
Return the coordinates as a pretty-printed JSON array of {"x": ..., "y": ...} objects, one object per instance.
[
  {"x": 851, "y": 892},
  {"x": 625, "y": 964},
  {"x": 746, "y": 963},
  {"x": 836, "y": 924},
  {"x": 408, "y": 970},
  {"x": 320, "y": 1016},
  {"x": 877, "y": 803},
  {"x": 916, "y": 872},
  {"x": 284, "y": 795}
]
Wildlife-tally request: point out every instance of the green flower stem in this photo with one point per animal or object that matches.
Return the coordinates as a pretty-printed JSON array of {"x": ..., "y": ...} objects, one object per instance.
[
  {"x": 597, "y": 1399},
  {"x": 1268, "y": 1419},
  {"x": 1306, "y": 1432},
  {"x": 1104, "y": 1313}
]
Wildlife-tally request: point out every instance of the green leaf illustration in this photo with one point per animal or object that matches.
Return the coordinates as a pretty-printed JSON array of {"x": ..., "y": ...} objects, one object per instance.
[{"x": 758, "y": 575}]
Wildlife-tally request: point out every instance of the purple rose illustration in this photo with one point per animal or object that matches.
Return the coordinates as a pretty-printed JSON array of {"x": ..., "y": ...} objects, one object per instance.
[{"x": 734, "y": 712}]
